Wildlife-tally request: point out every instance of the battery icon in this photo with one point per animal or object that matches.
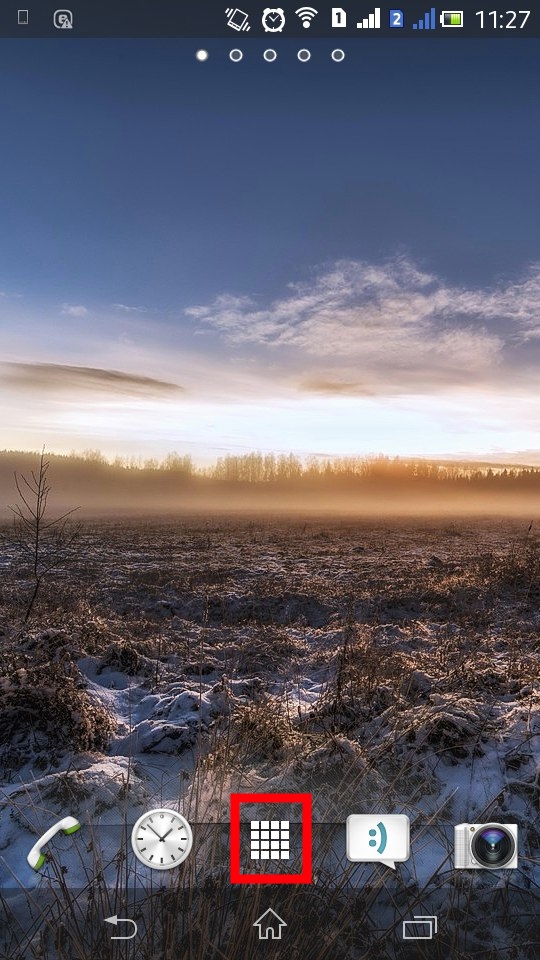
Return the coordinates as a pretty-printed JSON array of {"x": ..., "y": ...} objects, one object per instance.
[{"x": 452, "y": 18}]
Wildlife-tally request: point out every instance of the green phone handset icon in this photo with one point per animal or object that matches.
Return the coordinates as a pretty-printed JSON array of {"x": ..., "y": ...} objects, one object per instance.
[{"x": 36, "y": 857}]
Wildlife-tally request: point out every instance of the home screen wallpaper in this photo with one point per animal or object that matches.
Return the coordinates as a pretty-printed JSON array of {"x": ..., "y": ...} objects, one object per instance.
[{"x": 269, "y": 496}]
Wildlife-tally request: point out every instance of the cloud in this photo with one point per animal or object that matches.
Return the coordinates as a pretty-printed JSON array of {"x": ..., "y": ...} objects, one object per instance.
[
  {"x": 74, "y": 310},
  {"x": 125, "y": 308},
  {"x": 53, "y": 378},
  {"x": 391, "y": 328},
  {"x": 334, "y": 388}
]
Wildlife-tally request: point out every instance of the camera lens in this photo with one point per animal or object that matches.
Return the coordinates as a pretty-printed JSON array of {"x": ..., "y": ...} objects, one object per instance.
[{"x": 493, "y": 845}]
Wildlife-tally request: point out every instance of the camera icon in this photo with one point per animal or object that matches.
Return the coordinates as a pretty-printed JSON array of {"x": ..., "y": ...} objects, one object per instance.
[{"x": 486, "y": 846}]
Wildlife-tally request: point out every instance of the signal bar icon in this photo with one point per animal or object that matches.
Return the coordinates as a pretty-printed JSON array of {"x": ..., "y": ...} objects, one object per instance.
[
  {"x": 306, "y": 14},
  {"x": 371, "y": 22},
  {"x": 427, "y": 22}
]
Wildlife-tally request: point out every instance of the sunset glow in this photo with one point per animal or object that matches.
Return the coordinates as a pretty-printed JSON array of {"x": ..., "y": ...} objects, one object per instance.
[{"x": 147, "y": 307}]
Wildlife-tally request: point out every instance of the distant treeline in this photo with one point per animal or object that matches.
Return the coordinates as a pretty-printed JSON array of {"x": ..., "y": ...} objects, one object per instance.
[
  {"x": 277, "y": 482},
  {"x": 269, "y": 468}
]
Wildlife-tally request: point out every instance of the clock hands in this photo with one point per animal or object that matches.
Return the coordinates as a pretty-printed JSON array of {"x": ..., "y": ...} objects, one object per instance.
[{"x": 157, "y": 834}]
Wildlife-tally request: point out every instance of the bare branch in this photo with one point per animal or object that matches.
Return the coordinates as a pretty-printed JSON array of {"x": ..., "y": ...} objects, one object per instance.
[{"x": 45, "y": 543}]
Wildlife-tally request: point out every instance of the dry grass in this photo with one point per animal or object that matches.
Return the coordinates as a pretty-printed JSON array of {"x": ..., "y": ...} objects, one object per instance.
[{"x": 415, "y": 640}]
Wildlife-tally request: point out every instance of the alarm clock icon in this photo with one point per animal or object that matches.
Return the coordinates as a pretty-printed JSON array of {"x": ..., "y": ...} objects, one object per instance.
[{"x": 273, "y": 19}]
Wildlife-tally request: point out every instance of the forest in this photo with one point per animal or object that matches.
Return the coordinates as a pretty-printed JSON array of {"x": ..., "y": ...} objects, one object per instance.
[{"x": 271, "y": 481}]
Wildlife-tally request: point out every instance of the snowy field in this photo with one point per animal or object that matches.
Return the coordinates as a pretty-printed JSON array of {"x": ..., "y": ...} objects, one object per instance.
[{"x": 387, "y": 667}]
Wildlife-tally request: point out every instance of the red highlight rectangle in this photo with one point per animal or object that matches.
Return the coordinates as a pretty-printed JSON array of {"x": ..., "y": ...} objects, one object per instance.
[{"x": 306, "y": 874}]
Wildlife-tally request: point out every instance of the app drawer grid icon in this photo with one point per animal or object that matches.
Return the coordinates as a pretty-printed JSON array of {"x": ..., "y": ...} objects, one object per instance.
[
  {"x": 270, "y": 840},
  {"x": 284, "y": 842}
]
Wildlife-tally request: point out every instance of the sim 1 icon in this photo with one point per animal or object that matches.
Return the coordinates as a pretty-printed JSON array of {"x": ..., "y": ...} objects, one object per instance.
[
  {"x": 396, "y": 19},
  {"x": 378, "y": 838},
  {"x": 339, "y": 17}
]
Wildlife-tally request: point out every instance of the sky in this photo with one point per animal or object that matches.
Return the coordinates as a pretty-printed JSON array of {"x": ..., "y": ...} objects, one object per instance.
[{"x": 321, "y": 258}]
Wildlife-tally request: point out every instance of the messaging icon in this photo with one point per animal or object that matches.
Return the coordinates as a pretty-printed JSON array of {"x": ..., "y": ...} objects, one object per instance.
[{"x": 376, "y": 838}]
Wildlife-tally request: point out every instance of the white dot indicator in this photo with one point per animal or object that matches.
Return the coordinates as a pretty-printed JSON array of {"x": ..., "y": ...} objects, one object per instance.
[
  {"x": 201, "y": 55},
  {"x": 236, "y": 55},
  {"x": 270, "y": 56},
  {"x": 338, "y": 55},
  {"x": 304, "y": 55}
]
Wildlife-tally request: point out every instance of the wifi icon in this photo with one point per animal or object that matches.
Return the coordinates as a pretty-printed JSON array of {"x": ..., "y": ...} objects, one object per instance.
[{"x": 306, "y": 14}]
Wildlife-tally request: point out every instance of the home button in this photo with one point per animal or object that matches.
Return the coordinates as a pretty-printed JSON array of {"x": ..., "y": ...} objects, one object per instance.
[{"x": 270, "y": 925}]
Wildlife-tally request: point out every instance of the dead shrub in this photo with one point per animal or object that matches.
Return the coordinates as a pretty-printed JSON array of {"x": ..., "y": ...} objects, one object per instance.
[{"x": 45, "y": 712}]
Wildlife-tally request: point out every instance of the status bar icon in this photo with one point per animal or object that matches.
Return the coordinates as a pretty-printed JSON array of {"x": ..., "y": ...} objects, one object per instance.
[
  {"x": 339, "y": 17},
  {"x": 371, "y": 22},
  {"x": 306, "y": 14},
  {"x": 452, "y": 18},
  {"x": 237, "y": 19},
  {"x": 63, "y": 19},
  {"x": 427, "y": 22}
]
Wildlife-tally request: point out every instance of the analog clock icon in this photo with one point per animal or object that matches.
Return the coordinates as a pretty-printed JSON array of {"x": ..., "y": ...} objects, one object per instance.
[
  {"x": 273, "y": 19},
  {"x": 161, "y": 839}
]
